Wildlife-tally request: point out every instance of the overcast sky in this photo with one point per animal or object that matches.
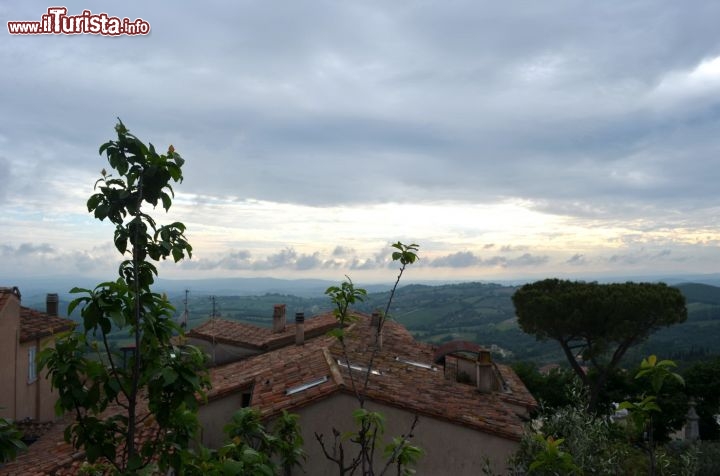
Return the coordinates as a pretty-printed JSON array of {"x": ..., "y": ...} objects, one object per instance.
[{"x": 509, "y": 139}]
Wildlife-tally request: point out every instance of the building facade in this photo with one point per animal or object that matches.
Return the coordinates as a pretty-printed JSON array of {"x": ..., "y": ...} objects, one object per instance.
[{"x": 24, "y": 393}]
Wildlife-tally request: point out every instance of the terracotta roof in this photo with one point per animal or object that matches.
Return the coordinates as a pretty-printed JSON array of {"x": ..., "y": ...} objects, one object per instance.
[
  {"x": 50, "y": 455},
  {"x": 260, "y": 338},
  {"x": 298, "y": 375},
  {"x": 407, "y": 380},
  {"x": 454, "y": 347},
  {"x": 36, "y": 325}
]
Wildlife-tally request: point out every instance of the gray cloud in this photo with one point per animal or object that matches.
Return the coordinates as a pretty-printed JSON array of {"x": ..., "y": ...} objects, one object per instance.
[
  {"x": 598, "y": 112},
  {"x": 523, "y": 261},
  {"x": 363, "y": 264},
  {"x": 466, "y": 259},
  {"x": 341, "y": 251},
  {"x": 640, "y": 256},
  {"x": 234, "y": 260},
  {"x": 552, "y": 109},
  {"x": 237, "y": 260},
  {"x": 283, "y": 259},
  {"x": 577, "y": 260},
  {"x": 287, "y": 259},
  {"x": 26, "y": 249},
  {"x": 378, "y": 261},
  {"x": 512, "y": 248},
  {"x": 85, "y": 262},
  {"x": 461, "y": 259},
  {"x": 527, "y": 259},
  {"x": 312, "y": 261},
  {"x": 5, "y": 178}
]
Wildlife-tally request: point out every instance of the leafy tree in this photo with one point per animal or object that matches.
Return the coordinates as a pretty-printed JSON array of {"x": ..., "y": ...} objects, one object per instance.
[
  {"x": 370, "y": 425},
  {"x": 10, "y": 441},
  {"x": 595, "y": 324},
  {"x": 551, "y": 390},
  {"x": 157, "y": 390}
]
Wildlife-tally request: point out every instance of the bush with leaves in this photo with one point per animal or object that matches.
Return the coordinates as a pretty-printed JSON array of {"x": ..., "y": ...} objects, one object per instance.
[
  {"x": 156, "y": 391},
  {"x": 551, "y": 459},
  {"x": 595, "y": 445},
  {"x": 642, "y": 411},
  {"x": 708, "y": 457},
  {"x": 10, "y": 441},
  {"x": 589, "y": 440},
  {"x": 253, "y": 448}
]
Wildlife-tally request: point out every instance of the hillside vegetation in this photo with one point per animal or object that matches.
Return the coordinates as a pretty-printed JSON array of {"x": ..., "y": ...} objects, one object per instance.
[{"x": 478, "y": 312}]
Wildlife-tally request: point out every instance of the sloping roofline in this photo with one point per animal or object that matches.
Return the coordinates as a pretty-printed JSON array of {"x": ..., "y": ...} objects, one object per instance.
[{"x": 398, "y": 383}]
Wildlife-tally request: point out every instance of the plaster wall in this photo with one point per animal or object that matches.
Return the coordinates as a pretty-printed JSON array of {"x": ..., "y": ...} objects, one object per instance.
[
  {"x": 9, "y": 336},
  {"x": 448, "y": 448}
]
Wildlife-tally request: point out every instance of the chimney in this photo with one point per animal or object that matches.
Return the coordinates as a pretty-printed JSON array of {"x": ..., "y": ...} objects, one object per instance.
[
  {"x": 279, "y": 318},
  {"x": 299, "y": 328},
  {"x": 486, "y": 380},
  {"x": 51, "y": 304},
  {"x": 375, "y": 319}
]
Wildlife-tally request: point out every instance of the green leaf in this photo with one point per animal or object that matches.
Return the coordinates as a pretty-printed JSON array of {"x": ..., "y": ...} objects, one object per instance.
[
  {"x": 166, "y": 201},
  {"x": 93, "y": 201},
  {"x": 121, "y": 240},
  {"x": 169, "y": 376},
  {"x": 101, "y": 211},
  {"x": 134, "y": 463},
  {"x": 231, "y": 467},
  {"x": 177, "y": 254}
]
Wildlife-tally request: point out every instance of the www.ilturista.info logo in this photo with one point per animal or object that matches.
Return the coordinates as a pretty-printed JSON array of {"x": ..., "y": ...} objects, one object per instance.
[{"x": 58, "y": 22}]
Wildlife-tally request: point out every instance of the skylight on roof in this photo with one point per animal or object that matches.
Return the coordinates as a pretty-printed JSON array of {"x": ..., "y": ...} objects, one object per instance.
[
  {"x": 358, "y": 368},
  {"x": 417, "y": 364},
  {"x": 305, "y": 386}
]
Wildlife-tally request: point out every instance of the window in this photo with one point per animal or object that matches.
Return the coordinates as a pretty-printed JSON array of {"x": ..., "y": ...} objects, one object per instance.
[
  {"x": 306, "y": 386},
  {"x": 357, "y": 368},
  {"x": 416, "y": 364},
  {"x": 246, "y": 398},
  {"x": 32, "y": 364}
]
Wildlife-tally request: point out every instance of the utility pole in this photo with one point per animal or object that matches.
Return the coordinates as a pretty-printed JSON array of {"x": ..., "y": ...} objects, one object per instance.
[
  {"x": 212, "y": 330},
  {"x": 186, "y": 313}
]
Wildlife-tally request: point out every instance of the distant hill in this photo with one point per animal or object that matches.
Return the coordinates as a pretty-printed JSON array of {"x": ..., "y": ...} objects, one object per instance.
[
  {"x": 704, "y": 293},
  {"x": 480, "y": 312}
]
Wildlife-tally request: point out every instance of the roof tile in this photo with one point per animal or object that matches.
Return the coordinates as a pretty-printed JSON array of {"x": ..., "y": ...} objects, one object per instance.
[
  {"x": 270, "y": 375},
  {"x": 36, "y": 325},
  {"x": 400, "y": 384},
  {"x": 261, "y": 338}
]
